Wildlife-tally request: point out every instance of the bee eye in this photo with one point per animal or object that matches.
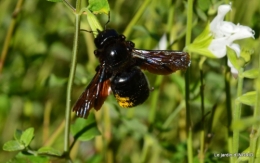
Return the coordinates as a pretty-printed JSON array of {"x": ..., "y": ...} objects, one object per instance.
[
  {"x": 122, "y": 37},
  {"x": 131, "y": 44}
]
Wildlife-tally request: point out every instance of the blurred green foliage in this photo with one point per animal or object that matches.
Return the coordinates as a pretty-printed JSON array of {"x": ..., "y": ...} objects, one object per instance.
[{"x": 34, "y": 77}]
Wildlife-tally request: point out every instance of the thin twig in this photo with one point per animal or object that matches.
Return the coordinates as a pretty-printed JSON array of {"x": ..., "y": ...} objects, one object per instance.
[
  {"x": 10, "y": 33},
  {"x": 71, "y": 78},
  {"x": 187, "y": 83}
]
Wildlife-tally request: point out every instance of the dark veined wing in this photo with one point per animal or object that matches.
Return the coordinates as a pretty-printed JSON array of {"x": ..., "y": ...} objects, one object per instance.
[
  {"x": 95, "y": 94},
  {"x": 161, "y": 62}
]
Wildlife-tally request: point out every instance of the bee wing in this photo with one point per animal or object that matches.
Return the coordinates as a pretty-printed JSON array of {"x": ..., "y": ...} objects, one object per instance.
[
  {"x": 94, "y": 95},
  {"x": 161, "y": 62}
]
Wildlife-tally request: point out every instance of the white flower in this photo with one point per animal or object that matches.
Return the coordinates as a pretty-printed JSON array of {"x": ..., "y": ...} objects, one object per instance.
[
  {"x": 162, "y": 43},
  {"x": 225, "y": 33}
]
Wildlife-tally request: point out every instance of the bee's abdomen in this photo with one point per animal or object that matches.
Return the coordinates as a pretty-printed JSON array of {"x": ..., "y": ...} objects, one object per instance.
[{"x": 130, "y": 87}]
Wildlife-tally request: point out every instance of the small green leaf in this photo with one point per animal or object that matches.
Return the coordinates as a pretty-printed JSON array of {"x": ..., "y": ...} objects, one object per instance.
[
  {"x": 232, "y": 56},
  {"x": 23, "y": 158},
  {"x": 27, "y": 136},
  {"x": 55, "y": 81},
  {"x": 251, "y": 74},
  {"x": 92, "y": 21},
  {"x": 201, "y": 14},
  {"x": 17, "y": 135},
  {"x": 244, "y": 123},
  {"x": 13, "y": 145},
  {"x": 49, "y": 150},
  {"x": 201, "y": 43},
  {"x": 203, "y": 5},
  {"x": 246, "y": 54},
  {"x": 134, "y": 125},
  {"x": 55, "y": 0},
  {"x": 99, "y": 6},
  {"x": 248, "y": 98},
  {"x": 85, "y": 129}
]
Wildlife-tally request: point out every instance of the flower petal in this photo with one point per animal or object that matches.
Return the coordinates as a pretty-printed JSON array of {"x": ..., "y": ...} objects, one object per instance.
[
  {"x": 236, "y": 48},
  {"x": 225, "y": 29},
  {"x": 218, "y": 47},
  {"x": 222, "y": 11},
  {"x": 242, "y": 33}
]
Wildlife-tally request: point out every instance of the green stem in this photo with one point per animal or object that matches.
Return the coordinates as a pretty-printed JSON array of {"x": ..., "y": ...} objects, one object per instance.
[
  {"x": 155, "y": 98},
  {"x": 9, "y": 34},
  {"x": 55, "y": 134},
  {"x": 228, "y": 108},
  {"x": 254, "y": 135},
  {"x": 69, "y": 5},
  {"x": 187, "y": 83},
  {"x": 237, "y": 112},
  {"x": 71, "y": 78},
  {"x": 173, "y": 115},
  {"x": 136, "y": 18},
  {"x": 146, "y": 148},
  {"x": 202, "y": 133}
]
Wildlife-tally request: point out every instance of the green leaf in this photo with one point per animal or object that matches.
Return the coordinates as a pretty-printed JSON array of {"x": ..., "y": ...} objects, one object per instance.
[
  {"x": 251, "y": 74},
  {"x": 257, "y": 155},
  {"x": 204, "y": 5},
  {"x": 55, "y": 0},
  {"x": 244, "y": 123},
  {"x": 55, "y": 81},
  {"x": 85, "y": 129},
  {"x": 18, "y": 134},
  {"x": 232, "y": 56},
  {"x": 99, "y": 6},
  {"x": 248, "y": 98},
  {"x": 49, "y": 150},
  {"x": 201, "y": 43},
  {"x": 136, "y": 126},
  {"x": 4, "y": 102},
  {"x": 246, "y": 54},
  {"x": 92, "y": 21},
  {"x": 27, "y": 136},
  {"x": 23, "y": 158},
  {"x": 201, "y": 14},
  {"x": 13, "y": 145}
]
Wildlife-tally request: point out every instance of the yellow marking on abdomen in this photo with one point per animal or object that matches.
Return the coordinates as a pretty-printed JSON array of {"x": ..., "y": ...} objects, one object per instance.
[{"x": 124, "y": 101}]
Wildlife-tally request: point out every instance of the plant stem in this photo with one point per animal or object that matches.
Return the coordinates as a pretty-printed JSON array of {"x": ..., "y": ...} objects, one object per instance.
[
  {"x": 254, "y": 135},
  {"x": 228, "y": 108},
  {"x": 228, "y": 99},
  {"x": 55, "y": 134},
  {"x": 173, "y": 115},
  {"x": 46, "y": 120},
  {"x": 69, "y": 5},
  {"x": 9, "y": 34},
  {"x": 155, "y": 98},
  {"x": 202, "y": 132},
  {"x": 237, "y": 112},
  {"x": 136, "y": 17},
  {"x": 187, "y": 83},
  {"x": 71, "y": 77}
]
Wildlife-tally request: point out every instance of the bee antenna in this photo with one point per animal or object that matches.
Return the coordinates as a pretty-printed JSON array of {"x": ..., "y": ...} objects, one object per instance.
[
  {"x": 107, "y": 20},
  {"x": 87, "y": 31}
]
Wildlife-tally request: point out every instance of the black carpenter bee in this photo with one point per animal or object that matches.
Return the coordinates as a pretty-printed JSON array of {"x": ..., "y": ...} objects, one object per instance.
[{"x": 120, "y": 71}]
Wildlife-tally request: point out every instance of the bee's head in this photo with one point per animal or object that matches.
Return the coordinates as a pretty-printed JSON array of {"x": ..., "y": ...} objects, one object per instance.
[{"x": 105, "y": 36}]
